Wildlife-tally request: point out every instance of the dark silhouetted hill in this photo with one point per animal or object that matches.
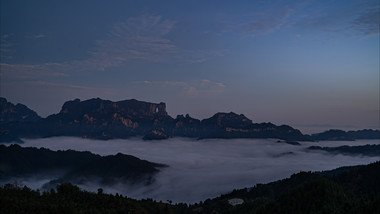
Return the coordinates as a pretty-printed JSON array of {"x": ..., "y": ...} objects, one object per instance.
[
  {"x": 366, "y": 150},
  {"x": 365, "y": 134},
  {"x": 349, "y": 190},
  {"x": 335, "y": 134},
  {"x": 16, "y": 161}
]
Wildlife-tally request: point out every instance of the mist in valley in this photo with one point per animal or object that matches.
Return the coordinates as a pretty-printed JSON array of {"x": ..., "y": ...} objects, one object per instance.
[{"x": 201, "y": 169}]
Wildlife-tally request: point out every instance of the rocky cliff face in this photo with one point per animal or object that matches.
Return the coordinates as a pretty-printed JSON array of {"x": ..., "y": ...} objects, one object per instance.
[
  {"x": 227, "y": 120},
  {"x": 128, "y": 108},
  {"x": 231, "y": 125},
  {"x": 104, "y": 119},
  {"x": 186, "y": 126},
  {"x": 97, "y": 111},
  {"x": 225, "y": 125},
  {"x": 16, "y": 113}
]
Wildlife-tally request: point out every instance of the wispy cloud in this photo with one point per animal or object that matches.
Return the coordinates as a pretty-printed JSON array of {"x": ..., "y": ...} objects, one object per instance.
[
  {"x": 362, "y": 19},
  {"x": 137, "y": 38},
  {"x": 195, "y": 88},
  {"x": 19, "y": 71},
  {"x": 62, "y": 85},
  {"x": 49, "y": 89},
  {"x": 5, "y": 47},
  {"x": 39, "y": 36},
  {"x": 368, "y": 20},
  {"x": 199, "y": 56},
  {"x": 142, "y": 38},
  {"x": 267, "y": 22},
  {"x": 145, "y": 37}
]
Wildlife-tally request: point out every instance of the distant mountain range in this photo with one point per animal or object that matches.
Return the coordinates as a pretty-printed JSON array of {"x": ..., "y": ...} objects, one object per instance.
[
  {"x": 365, "y": 150},
  {"x": 335, "y": 134},
  {"x": 104, "y": 119}
]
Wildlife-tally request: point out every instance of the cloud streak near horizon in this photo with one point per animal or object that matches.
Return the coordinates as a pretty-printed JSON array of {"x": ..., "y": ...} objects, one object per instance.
[{"x": 192, "y": 88}]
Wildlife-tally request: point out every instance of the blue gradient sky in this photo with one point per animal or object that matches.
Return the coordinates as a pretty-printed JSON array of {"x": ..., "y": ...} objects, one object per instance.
[{"x": 310, "y": 64}]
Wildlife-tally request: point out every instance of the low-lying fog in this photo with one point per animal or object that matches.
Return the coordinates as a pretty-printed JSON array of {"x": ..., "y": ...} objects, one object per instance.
[{"x": 207, "y": 168}]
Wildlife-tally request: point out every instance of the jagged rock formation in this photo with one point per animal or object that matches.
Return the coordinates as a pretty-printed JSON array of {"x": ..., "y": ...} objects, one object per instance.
[
  {"x": 16, "y": 113},
  {"x": 156, "y": 134},
  {"x": 231, "y": 125},
  {"x": 104, "y": 119},
  {"x": 186, "y": 126},
  {"x": 11, "y": 117}
]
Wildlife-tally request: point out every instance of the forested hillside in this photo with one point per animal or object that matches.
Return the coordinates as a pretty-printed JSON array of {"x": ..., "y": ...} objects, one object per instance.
[{"x": 345, "y": 190}]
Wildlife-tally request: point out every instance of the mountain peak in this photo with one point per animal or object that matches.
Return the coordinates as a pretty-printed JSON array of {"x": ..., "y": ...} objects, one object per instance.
[
  {"x": 16, "y": 113},
  {"x": 230, "y": 119}
]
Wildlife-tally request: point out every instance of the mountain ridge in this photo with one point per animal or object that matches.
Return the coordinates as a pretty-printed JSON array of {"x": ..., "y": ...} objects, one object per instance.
[
  {"x": 19, "y": 112},
  {"x": 104, "y": 119}
]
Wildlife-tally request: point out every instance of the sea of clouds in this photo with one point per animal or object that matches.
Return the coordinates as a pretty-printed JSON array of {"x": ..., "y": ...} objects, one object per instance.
[{"x": 201, "y": 169}]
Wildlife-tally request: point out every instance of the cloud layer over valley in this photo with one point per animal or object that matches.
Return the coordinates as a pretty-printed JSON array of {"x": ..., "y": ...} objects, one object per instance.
[{"x": 207, "y": 168}]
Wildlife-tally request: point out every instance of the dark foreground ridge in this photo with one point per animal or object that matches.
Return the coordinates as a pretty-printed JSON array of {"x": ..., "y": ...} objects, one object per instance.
[
  {"x": 76, "y": 167},
  {"x": 104, "y": 119},
  {"x": 345, "y": 190}
]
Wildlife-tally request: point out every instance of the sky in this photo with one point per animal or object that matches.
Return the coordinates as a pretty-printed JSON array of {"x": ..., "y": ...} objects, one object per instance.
[{"x": 312, "y": 64}]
